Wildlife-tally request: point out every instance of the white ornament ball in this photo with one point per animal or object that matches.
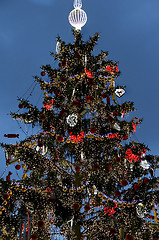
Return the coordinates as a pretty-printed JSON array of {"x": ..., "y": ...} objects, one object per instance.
[
  {"x": 77, "y": 18},
  {"x": 72, "y": 120}
]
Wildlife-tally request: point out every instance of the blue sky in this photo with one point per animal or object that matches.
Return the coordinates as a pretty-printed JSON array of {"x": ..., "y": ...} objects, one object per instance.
[{"x": 129, "y": 31}]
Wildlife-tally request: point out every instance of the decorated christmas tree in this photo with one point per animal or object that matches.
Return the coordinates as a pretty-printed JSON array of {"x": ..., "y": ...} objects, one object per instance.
[{"x": 83, "y": 178}]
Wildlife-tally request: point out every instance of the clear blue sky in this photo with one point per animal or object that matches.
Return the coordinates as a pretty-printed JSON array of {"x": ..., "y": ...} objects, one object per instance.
[{"x": 129, "y": 31}]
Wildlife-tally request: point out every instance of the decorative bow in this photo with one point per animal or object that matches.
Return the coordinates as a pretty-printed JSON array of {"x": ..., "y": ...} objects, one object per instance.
[
  {"x": 88, "y": 73},
  {"x": 110, "y": 211},
  {"x": 48, "y": 106},
  {"x": 79, "y": 137}
]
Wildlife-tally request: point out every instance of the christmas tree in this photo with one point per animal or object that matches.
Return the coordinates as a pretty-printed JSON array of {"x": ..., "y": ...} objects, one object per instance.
[{"x": 83, "y": 177}]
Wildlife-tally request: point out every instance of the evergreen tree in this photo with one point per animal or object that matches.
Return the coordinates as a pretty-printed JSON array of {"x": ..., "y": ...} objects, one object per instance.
[{"x": 82, "y": 173}]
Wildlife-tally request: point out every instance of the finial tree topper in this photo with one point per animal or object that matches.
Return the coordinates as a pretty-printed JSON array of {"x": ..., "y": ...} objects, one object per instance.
[{"x": 77, "y": 17}]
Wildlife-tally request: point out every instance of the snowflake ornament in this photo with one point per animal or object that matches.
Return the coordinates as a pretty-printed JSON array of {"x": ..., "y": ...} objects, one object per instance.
[
  {"x": 140, "y": 209},
  {"x": 72, "y": 120},
  {"x": 144, "y": 164}
]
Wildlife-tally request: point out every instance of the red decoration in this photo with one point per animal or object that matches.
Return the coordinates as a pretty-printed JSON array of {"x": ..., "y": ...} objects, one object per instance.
[
  {"x": 117, "y": 193},
  {"x": 89, "y": 98},
  {"x": 42, "y": 117},
  {"x": 110, "y": 135},
  {"x": 93, "y": 129},
  {"x": 117, "y": 159},
  {"x": 5, "y": 196},
  {"x": 112, "y": 70},
  {"x": 124, "y": 182},
  {"x": 62, "y": 112},
  {"x": 79, "y": 137},
  {"x": 11, "y": 135},
  {"x": 125, "y": 137},
  {"x": 104, "y": 95},
  {"x": 96, "y": 166},
  {"x": 108, "y": 167},
  {"x": 109, "y": 118},
  {"x": 90, "y": 83},
  {"x": 134, "y": 127},
  {"x": 130, "y": 156},
  {"x": 87, "y": 207},
  {"x": 59, "y": 138},
  {"x": 115, "y": 114},
  {"x": 108, "y": 100},
  {"x": 20, "y": 105},
  {"x": 136, "y": 186},
  {"x": 112, "y": 231},
  {"x": 63, "y": 79},
  {"x": 48, "y": 106},
  {"x": 52, "y": 199},
  {"x": 40, "y": 144},
  {"x": 77, "y": 55},
  {"x": 76, "y": 103},
  {"x": 63, "y": 63},
  {"x": 75, "y": 206},
  {"x": 60, "y": 65},
  {"x": 34, "y": 236},
  {"x": 40, "y": 224},
  {"x": 129, "y": 237},
  {"x": 77, "y": 168},
  {"x": 88, "y": 73},
  {"x": 146, "y": 180},
  {"x": 57, "y": 92},
  {"x": 17, "y": 167},
  {"x": 42, "y": 73},
  {"x": 110, "y": 211}
]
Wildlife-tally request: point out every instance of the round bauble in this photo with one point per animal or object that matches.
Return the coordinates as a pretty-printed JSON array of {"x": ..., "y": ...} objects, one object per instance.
[
  {"x": 75, "y": 206},
  {"x": 40, "y": 144},
  {"x": 42, "y": 117},
  {"x": 77, "y": 55},
  {"x": 40, "y": 224},
  {"x": 42, "y": 73},
  {"x": 146, "y": 180},
  {"x": 129, "y": 237},
  {"x": 6, "y": 196},
  {"x": 20, "y": 105},
  {"x": 112, "y": 231},
  {"x": 89, "y": 98},
  {"x": 52, "y": 199},
  {"x": 59, "y": 138},
  {"x": 77, "y": 168},
  {"x": 125, "y": 137},
  {"x": 63, "y": 79},
  {"x": 124, "y": 182},
  {"x": 87, "y": 207},
  {"x": 34, "y": 236},
  {"x": 136, "y": 186},
  {"x": 17, "y": 167},
  {"x": 117, "y": 159},
  {"x": 93, "y": 129},
  {"x": 108, "y": 167},
  {"x": 96, "y": 166},
  {"x": 117, "y": 193}
]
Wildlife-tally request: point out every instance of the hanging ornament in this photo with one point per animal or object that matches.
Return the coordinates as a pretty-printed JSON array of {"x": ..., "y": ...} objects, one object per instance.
[
  {"x": 72, "y": 120},
  {"x": 95, "y": 191},
  {"x": 144, "y": 164},
  {"x": 119, "y": 92},
  {"x": 140, "y": 209},
  {"x": 117, "y": 127},
  {"x": 11, "y": 135},
  {"x": 85, "y": 60},
  {"x": 58, "y": 45},
  {"x": 77, "y": 17}
]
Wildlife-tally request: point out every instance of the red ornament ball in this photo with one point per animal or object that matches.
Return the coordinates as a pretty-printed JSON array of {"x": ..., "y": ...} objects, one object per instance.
[
  {"x": 110, "y": 118},
  {"x": 89, "y": 98},
  {"x": 136, "y": 186},
  {"x": 40, "y": 144},
  {"x": 40, "y": 224},
  {"x": 59, "y": 138},
  {"x": 125, "y": 137},
  {"x": 93, "y": 129},
  {"x": 96, "y": 166},
  {"x": 104, "y": 95},
  {"x": 87, "y": 207},
  {"x": 117, "y": 159},
  {"x": 124, "y": 182},
  {"x": 5, "y": 196},
  {"x": 112, "y": 231},
  {"x": 129, "y": 237},
  {"x": 115, "y": 114},
  {"x": 20, "y": 105},
  {"x": 117, "y": 193},
  {"x": 42, "y": 73},
  {"x": 146, "y": 180},
  {"x": 57, "y": 92},
  {"x": 77, "y": 55},
  {"x": 63, "y": 79},
  {"x": 75, "y": 206},
  {"x": 63, "y": 63},
  {"x": 108, "y": 167},
  {"x": 42, "y": 117},
  {"x": 34, "y": 236},
  {"x": 17, "y": 167},
  {"x": 76, "y": 103},
  {"x": 52, "y": 199},
  {"x": 77, "y": 168}
]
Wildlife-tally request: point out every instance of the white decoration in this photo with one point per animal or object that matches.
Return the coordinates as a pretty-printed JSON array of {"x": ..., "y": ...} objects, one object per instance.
[
  {"x": 140, "y": 209},
  {"x": 117, "y": 127},
  {"x": 72, "y": 120},
  {"x": 95, "y": 190},
  {"x": 119, "y": 92},
  {"x": 58, "y": 47},
  {"x": 43, "y": 150},
  {"x": 85, "y": 60},
  {"x": 77, "y": 17},
  {"x": 144, "y": 164}
]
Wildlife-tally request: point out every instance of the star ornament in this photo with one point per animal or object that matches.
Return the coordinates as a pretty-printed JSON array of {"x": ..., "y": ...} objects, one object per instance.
[
  {"x": 72, "y": 120},
  {"x": 144, "y": 164},
  {"x": 119, "y": 92}
]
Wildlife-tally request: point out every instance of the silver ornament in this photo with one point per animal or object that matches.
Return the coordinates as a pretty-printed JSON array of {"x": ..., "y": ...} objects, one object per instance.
[{"x": 119, "y": 92}]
